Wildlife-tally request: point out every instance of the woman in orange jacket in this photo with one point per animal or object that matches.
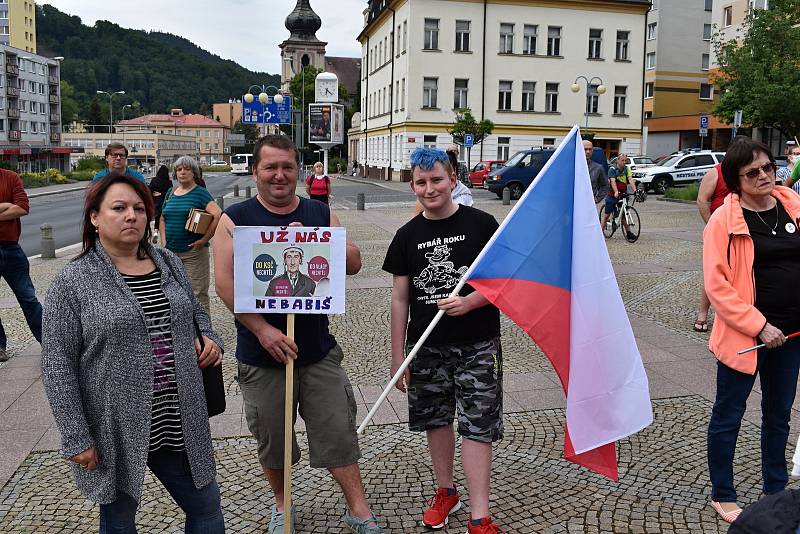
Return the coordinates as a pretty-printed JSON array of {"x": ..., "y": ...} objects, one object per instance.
[{"x": 751, "y": 247}]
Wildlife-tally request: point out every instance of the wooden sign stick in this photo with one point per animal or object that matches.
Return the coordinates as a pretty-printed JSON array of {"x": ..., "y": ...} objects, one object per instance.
[{"x": 288, "y": 434}]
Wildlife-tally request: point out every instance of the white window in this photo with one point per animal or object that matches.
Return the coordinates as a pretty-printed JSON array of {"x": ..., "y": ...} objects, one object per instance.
[
  {"x": 622, "y": 45},
  {"x": 33, "y": 127},
  {"x": 649, "y": 89},
  {"x": 529, "y": 39},
  {"x": 405, "y": 34},
  {"x": 380, "y": 53},
  {"x": 706, "y": 32},
  {"x": 403, "y": 95},
  {"x": 595, "y": 43},
  {"x": 758, "y": 4},
  {"x": 503, "y": 146},
  {"x": 23, "y": 126},
  {"x": 592, "y": 99},
  {"x": 650, "y": 60},
  {"x": 42, "y": 108},
  {"x": 705, "y": 61},
  {"x": 462, "y": 35},
  {"x": 706, "y": 91},
  {"x": 504, "y": 95},
  {"x": 429, "y": 141},
  {"x": 620, "y": 98},
  {"x": 648, "y": 114},
  {"x": 727, "y": 16},
  {"x": 41, "y": 88},
  {"x": 551, "y": 97},
  {"x": 431, "y": 34},
  {"x": 2, "y": 102},
  {"x": 553, "y": 40},
  {"x": 652, "y": 30},
  {"x": 460, "y": 94},
  {"x": 430, "y": 88},
  {"x": 397, "y": 95},
  {"x": 709, "y": 5},
  {"x": 506, "y": 39},
  {"x": 528, "y": 93}
]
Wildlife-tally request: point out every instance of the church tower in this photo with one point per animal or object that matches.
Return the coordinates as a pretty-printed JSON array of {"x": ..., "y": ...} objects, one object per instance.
[{"x": 302, "y": 47}]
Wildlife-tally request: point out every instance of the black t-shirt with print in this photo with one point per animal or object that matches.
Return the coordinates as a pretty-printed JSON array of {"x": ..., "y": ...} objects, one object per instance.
[{"x": 434, "y": 254}]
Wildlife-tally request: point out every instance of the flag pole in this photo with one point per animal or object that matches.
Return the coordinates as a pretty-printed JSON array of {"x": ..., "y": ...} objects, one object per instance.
[{"x": 456, "y": 290}]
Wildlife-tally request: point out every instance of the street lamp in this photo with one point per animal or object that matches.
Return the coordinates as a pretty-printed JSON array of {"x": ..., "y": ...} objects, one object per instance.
[
  {"x": 263, "y": 97},
  {"x": 588, "y": 82},
  {"x": 290, "y": 59},
  {"x": 110, "y": 111},
  {"x": 123, "y": 120}
]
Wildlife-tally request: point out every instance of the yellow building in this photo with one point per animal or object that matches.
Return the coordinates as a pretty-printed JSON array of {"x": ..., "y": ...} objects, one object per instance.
[
  {"x": 144, "y": 146},
  {"x": 18, "y": 24}
]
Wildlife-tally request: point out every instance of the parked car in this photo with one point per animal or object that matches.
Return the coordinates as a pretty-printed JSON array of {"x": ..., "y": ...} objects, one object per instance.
[
  {"x": 636, "y": 162},
  {"x": 480, "y": 171},
  {"x": 217, "y": 162},
  {"x": 518, "y": 172},
  {"x": 679, "y": 169}
]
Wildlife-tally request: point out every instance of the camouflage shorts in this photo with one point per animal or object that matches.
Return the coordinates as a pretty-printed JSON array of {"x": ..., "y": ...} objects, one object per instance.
[{"x": 463, "y": 379}]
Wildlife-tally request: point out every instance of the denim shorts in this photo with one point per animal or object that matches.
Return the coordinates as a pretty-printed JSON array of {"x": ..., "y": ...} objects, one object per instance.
[
  {"x": 326, "y": 403},
  {"x": 610, "y": 203}
]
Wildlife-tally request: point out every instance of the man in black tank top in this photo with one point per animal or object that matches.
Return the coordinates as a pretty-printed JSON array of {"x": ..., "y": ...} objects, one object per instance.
[{"x": 263, "y": 347}]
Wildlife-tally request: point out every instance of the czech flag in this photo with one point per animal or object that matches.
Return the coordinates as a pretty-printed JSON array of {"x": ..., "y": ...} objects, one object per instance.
[{"x": 547, "y": 268}]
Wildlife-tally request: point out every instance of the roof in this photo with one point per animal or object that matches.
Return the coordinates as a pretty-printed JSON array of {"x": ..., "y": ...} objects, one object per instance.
[
  {"x": 191, "y": 119},
  {"x": 347, "y": 69}
]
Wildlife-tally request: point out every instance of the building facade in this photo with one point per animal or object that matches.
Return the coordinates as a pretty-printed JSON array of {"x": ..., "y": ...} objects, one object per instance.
[
  {"x": 513, "y": 63},
  {"x": 144, "y": 146},
  {"x": 209, "y": 136},
  {"x": 30, "y": 111},
  {"x": 18, "y": 24}
]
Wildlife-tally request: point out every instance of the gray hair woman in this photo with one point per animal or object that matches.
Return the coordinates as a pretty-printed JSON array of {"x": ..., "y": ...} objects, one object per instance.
[{"x": 121, "y": 365}]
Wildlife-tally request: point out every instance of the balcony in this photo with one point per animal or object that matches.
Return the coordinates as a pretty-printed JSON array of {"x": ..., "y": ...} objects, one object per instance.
[
  {"x": 12, "y": 70},
  {"x": 55, "y": 118},
  {"x": 55, "y": 137},
  {"x": 14, "y": 135},
  {"x": 13, "y": 113},
  {"x": 12, "y": 91},
  {"x": 53, "y": 99},
  {"x": 52, "y": 80}
]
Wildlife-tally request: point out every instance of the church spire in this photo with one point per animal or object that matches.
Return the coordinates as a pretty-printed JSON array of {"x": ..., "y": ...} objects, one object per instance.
[{"x": 303, "y": 23}]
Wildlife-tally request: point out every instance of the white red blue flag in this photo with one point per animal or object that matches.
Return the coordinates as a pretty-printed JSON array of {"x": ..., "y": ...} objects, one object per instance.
[{"x": 547, "y": 268}]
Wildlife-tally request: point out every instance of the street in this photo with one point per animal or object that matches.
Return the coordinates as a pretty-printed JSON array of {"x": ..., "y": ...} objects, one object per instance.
[{"x": 64, "y": 210}]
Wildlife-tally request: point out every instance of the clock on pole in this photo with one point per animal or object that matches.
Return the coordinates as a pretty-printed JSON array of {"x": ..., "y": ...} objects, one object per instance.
[{"x": 326, "y": 87}]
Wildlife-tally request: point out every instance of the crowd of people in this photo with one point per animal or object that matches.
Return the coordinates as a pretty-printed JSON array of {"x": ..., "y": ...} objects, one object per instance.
[{"x": 126, "y": 331}]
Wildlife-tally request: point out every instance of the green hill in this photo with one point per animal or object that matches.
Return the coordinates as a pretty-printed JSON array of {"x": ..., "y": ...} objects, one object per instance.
[{"x": 157, "y": 70}]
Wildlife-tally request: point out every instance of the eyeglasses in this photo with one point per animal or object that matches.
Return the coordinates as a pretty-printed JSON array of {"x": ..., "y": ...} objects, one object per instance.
[
  {"x": 117, "y": 156},
  {"x": 752, "y": 174}
]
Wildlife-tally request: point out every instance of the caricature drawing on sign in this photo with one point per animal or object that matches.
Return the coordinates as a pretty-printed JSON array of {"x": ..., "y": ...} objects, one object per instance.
[
  {"x": 292, "y": 283},
  {"x": 440, "y": 273}
]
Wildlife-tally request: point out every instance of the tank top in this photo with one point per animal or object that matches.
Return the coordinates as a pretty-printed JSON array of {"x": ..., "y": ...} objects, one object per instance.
[
  {"x": 720, "y": 191},
  {"x": 312, "y": 337}
]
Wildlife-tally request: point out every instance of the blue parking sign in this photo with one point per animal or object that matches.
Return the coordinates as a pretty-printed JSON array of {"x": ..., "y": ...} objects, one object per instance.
[
  {"x": 703, "y": 121},
  {"x": 271, "y": 113},
  {"x": 469, "y": 140}
]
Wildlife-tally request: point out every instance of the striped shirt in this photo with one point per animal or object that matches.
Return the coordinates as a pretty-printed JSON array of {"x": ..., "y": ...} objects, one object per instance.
[
  {"x": 176, "y": 210},
  {"x": 165, "y": 425}
]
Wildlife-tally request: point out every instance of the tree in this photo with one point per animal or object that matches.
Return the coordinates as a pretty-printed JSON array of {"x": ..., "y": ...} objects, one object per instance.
[
  {"x": 466, "y": 124},
  {"x": 69, "y": 106},
  {"x": 250, "y": 132},
  {"x": 759, "y": 71},
  {"x": 95, "y": 116}
]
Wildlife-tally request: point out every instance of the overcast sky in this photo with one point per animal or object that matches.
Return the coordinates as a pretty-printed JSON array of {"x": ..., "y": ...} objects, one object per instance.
[{"x": 246, "y": 31}]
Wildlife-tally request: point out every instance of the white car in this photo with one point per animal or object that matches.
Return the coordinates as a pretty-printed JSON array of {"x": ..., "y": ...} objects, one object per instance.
[
  {"x": 636, "y": 162},
  {"x": 679, "y": 169},
  {"x": 218, "y": 162}
]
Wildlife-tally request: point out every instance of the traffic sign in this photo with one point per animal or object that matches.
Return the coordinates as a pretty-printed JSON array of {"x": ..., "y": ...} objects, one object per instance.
[
  {"x": 703, "y": 132},
  {"x": 271, "y": 113},
  {"x": 469, "y": 140},
  {"x": 703, "y": 122}
]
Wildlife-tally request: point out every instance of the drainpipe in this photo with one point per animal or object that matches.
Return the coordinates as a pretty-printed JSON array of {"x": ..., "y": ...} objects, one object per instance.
[
  {"x": 365, "y": 117},
  {"x": 644, "y": 56},
  {"x": 483, "y": 70},
  {"x": 391, "y": 94}
]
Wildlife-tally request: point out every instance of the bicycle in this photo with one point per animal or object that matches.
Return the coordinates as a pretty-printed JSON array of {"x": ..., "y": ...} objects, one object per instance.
[{"x": 624, "y": 208}]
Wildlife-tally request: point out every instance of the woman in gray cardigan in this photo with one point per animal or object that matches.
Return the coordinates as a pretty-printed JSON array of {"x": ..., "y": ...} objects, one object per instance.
[{"x": 121, "y": 365}]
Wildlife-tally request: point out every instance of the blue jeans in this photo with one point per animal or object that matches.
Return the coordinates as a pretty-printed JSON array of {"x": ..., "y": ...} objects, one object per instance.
[
  {"x": 777, "y": 369},
  {"x": 202, "y": 506},
  {"x": 14, "y": 267}
]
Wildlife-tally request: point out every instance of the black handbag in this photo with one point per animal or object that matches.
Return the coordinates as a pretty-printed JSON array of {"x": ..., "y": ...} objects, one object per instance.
[{"x": 213, "y": 384}]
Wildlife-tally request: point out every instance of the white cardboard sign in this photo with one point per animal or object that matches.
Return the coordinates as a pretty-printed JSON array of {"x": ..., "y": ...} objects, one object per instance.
[{"x": 289, "y": 269}]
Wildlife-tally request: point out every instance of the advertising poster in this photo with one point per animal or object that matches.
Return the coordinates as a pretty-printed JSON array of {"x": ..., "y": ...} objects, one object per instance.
[
  {"x": 337, "y": 121},
  {"x": 289, "y": 269},
  {"x": 319, "y": 120}
]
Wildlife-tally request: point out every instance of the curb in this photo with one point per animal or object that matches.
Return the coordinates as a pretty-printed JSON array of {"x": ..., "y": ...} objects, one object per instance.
[
  {"x": 58, "y": 191},
  {"x": 367, "y": 182},
  {"x": 677, "y": 200}
]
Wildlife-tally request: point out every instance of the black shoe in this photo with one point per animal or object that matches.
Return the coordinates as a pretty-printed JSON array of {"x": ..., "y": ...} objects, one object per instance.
[{"x": 631, "y": 236}]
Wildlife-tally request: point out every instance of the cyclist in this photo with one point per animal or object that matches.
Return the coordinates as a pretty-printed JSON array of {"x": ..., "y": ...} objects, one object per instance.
[{"x": 619, "y": 177}]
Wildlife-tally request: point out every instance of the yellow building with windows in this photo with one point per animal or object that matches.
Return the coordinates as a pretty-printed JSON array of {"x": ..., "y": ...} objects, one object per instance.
[{"x": 18, "y": 24}]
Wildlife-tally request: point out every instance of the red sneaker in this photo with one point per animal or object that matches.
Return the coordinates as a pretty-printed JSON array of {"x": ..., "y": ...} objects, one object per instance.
[
  {"x": 441, "y": 505},
  {"x": 484, "y": 527}
]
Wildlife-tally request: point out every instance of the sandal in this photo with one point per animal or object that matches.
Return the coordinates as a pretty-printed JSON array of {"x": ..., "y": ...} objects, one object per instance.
[
  {"x": 700, "y": 326},
  {"x": 728, "y": 517}
]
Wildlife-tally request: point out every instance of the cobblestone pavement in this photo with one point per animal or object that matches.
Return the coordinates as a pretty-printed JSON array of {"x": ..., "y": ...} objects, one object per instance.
[
  {"x": 664, "y": 482},
  {"x": 534, "y": 489}
]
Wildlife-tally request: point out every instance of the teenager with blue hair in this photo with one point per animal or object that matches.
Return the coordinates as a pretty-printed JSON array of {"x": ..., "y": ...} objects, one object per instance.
[
  {"x": 459, "y": 192},
  {"x": 458, "y": 372}
]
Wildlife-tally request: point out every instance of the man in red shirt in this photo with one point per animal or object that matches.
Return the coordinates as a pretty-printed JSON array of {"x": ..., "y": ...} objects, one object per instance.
[{"x": 14, "y": 265}]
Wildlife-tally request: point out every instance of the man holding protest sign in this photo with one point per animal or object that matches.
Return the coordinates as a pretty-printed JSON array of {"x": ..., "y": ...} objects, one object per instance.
[
  {"x": 458, "y": 370},
  {"x": 321, "y": 386}
]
